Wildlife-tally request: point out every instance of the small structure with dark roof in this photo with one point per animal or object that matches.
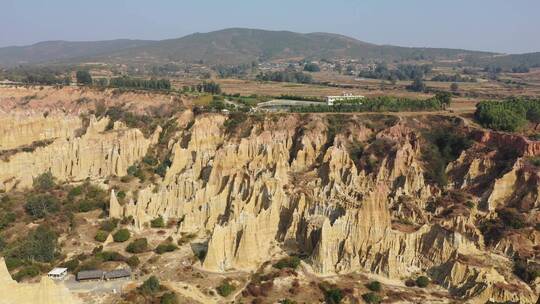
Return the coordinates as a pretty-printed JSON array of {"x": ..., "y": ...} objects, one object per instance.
[
  {"x": 118, "y": 274},
  {"x": 89, "y": 275}
]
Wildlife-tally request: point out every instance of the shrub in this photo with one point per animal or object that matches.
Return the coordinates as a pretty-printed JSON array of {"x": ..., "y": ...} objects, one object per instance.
[
  {"x": 443, "y": 146},
  {"x": 121, "y": 235},
  {"x": 121, "y": 194},
  {"x": 374, "y": 286},
  {"x": 44, "y": 182},
  {"x": 157, "y": 223},
  {"x": 333, "y": 295},
  {"x": 110, "y": 256},
  {"x": 71, "y": 265},
  {"x": 311, "y": 67},
  {"x": 88, "y": 205},
  {"x": 512, "y": 218},
  {"x": 150, "y": 286},
  {"x": 150, "y": 160},
  {"x": 40, "y": 245},
  {"x": 136, "y": 171},
  {"x": 289, "y": 262},
  {"x": 169, "y": 298},
  {"x": 422, "y": 281},
  {"x": 27, "y": 272},
  {"x": 527, "y": 272},
  {"x": 75, "y": 191},
  {"x": 137, "y": 246},
  {"x": 91, "y": 264},
  {"x": 7, "y": 219},
  {"x": 469, "y": 204},
  {"x": 225, "y": 289},
  {"x": 13, "y": 262},
  {"x": 535, "y": 161},
  {"x": 371, "y": 297},
  {"x": 109, "y": 225},
  {"x": 101, "y": 236},
  {"x": 163, "y": 248},
  {"x": 133, "y": 261},
  {"x": 40, "y": 205}
]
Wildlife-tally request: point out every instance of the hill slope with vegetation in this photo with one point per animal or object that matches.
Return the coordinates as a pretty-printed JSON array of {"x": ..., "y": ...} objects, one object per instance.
[{"x": 229, "y": 46}]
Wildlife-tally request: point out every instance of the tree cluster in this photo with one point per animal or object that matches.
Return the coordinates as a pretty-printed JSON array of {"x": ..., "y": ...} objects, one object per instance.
[
  {"x": 288, "y": 75},
  {"x": 137, "y": 83},
  {"x": 402, "y": 72},
  {"x": 510, "y": 115},
  {"x": 205, "y": 87},
  {"x": 453, "y": 78},
  {"x": 233, "y": 71},
  {"x": 382, "y": 104},
  {"x": 312, "y": 67}
]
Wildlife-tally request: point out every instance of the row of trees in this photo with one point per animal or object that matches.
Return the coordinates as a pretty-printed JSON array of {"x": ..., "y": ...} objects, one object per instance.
[
  {"x": 510, "y": 115},
  {"x": 85, "y": 78},
  {"x": 311, "y": 67},
  {"x": 137, "y": 83},
  {"x": 402, "y": 72},
  {"x": 235, "y": 71},
  {"x": 453, "y": 78},
  {"x": 205, "y": 87},
  {"x": 382, "y": 104},
  {"x": 288, "y": 75}
]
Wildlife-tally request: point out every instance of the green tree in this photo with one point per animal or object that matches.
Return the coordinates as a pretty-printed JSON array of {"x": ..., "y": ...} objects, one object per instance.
[
  {"x": 372, "y": 298},
  {"x": 374, "y": 286},
  {"x": 84, "y": 77},
  {"x": 38, "y": 206},
  {"x": 422, "y": 281},
  {"x": 225, "y": 289},
  {"x": 133, "y": 261},
  {"x": 444, "y": 97},
  {"x": 157, "y": 222},
  {"x": 169, "y": 298},
  {"x": 101, "y": 236},
  {"x": 454, "y": 87},
  {"x": 166, "y": 247},
  {"x": 533, "y": 115},
  {"x": 311, "y": 67},
  {"x": 40, "y": 245},
  {"x": 150, "y": 286},
  {"x": 417, "y": 85},
  {"x": 121, "y": 235},
  {"x": 333, "y": 295},
  {"x": 137, "y": 246},
  {"x": 44, "y": 181}
]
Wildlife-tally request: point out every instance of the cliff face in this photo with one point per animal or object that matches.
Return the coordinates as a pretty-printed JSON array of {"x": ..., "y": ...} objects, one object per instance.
[
  {"x": 351, "y": 197},
  {"x": 19, "y": 129},
  {"x": 44, "y": 292},
  {"x": 96, "y": 154}
]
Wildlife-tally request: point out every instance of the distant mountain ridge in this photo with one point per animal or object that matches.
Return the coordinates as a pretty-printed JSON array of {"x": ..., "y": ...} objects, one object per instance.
[
  {"x": 228, "y": 46},
  {"x": 48, "y": 51}
]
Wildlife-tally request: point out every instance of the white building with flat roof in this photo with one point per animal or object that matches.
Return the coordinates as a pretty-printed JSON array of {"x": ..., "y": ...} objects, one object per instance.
[
  {"x": 57, "y": 273},
  {"x": 330, "y": 100}
]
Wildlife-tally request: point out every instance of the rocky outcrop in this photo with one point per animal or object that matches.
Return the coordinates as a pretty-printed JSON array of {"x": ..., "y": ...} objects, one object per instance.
[
  {"x": 19, "y": 129},
  {"x": 45, "y": 292},
  {"x": 519, "y": 143},
  {"x": 472, "y": 278},
  {"x": 295, "y": 184},
  {"x": 96, "y": 154}
]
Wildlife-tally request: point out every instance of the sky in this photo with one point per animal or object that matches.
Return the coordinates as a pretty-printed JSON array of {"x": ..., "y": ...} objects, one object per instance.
[{"x": 506, "y": 26}]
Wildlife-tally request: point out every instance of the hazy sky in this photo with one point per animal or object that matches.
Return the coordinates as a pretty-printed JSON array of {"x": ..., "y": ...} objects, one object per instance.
[{"x": 511, "y": 26}]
